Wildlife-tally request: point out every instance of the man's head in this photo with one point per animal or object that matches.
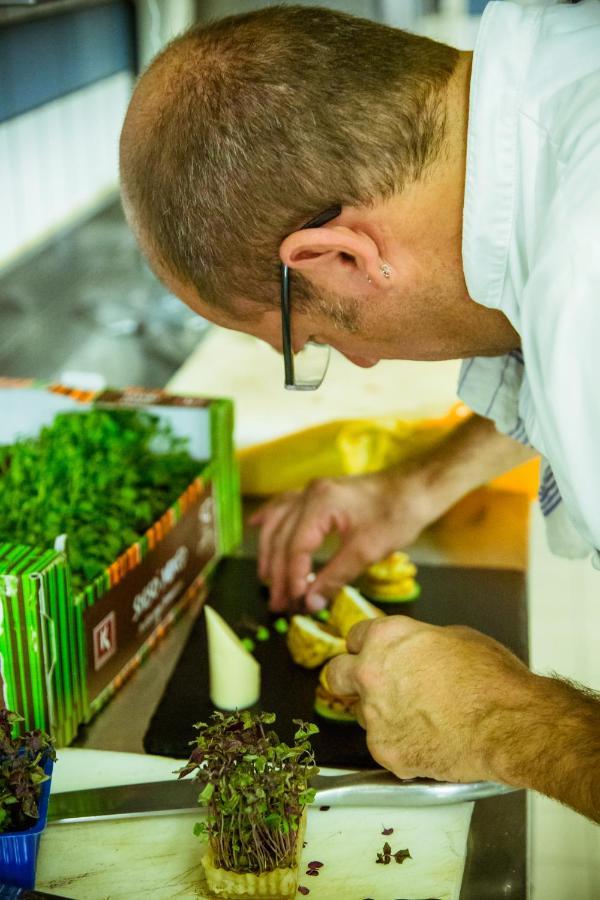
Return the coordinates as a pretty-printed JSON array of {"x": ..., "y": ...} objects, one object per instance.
[{"x": 243, "y": 130}]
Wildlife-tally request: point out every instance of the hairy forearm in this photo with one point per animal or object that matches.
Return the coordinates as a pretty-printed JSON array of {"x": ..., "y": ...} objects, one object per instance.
[
  {"x": 548, "y": 740},
  {"x": 473, "y": 454}
]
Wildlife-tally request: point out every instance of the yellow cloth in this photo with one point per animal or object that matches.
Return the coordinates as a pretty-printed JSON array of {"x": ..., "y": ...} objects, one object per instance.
[{"x": 355, "y": 447}]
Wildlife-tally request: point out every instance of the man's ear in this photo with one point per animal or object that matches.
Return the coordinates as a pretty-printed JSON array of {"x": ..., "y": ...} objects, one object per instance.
[{"x": 335, "y": 252}]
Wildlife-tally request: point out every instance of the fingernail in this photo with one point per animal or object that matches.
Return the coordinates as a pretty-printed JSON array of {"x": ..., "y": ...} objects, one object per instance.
[{"x": 316, "y": 602}]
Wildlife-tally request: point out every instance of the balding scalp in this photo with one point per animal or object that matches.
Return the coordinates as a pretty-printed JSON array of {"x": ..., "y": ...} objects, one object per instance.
[{"x": 241, "y": 130}]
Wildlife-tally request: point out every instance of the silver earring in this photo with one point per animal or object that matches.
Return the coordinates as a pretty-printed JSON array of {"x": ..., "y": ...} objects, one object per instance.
[
  {"x": 369, "y": 280},
  {"x": 386, "y": 270}
]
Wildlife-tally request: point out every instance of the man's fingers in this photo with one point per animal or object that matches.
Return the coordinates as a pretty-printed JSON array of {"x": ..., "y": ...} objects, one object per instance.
[
  {"x": 385, "y": 629},
  {"x": 264, "y": 511},
  {"x": 272, "y": 517},
  {"x": 349, "y": 561},
  {"x": 355, "y": 638},
  {"x": 358, "y": 712},
  {"x": 279, "y": 562},
  {"x": 259, "y": 516},
  {"x": 311, "y": 528},
  {"x": 339, "y": 675}
]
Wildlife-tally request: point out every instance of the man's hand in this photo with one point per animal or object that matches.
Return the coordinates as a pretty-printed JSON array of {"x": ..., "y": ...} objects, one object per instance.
[
  {"x": 372, "y": 514},
  {"x": 454, "y": 705},
  {"x": 429, "y": 696}
]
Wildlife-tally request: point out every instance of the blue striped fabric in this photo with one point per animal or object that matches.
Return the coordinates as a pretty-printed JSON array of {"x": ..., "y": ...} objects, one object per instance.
[
  {"x": 549, "y": 492},
  {"x": 519, "y": 433},
  {"x": 491, "y": 387}
]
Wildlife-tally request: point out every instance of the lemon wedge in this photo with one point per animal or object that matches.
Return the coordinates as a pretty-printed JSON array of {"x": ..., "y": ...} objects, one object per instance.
[
  {"x": 350, "y": 607},
  {"x": 311, "y": 644}
]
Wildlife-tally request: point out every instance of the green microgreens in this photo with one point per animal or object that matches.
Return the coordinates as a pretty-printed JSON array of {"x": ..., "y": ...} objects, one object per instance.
[
  {"x": 21, "y": 772},
  {"x": 255, "y": 788},
  {"x": 102, "y": 477}
]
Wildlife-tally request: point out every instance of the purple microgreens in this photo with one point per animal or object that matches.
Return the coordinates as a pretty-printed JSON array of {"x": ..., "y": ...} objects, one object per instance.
[
  {"x": 255, "y": 789},
  {"x": 324, "y": 808},
  {"x": 385, "y": 856},
  {"x": 312, "y": 872},
  {"x": 315, "y": 864},
  {"x": 303, "y": 890},
  {"x": 21, "y": 772},
  {"x": 387, "y": 831}
]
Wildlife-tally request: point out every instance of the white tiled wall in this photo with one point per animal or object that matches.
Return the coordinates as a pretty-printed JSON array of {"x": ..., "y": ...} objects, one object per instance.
[{"x": 59, "y": 161}]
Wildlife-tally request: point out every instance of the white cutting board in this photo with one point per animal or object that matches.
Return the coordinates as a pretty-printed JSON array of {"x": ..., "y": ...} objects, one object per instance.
[{"x": 159, "y": 857}]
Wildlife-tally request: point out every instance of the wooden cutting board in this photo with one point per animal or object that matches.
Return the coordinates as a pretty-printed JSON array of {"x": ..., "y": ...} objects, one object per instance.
[{"x": 159, "y": 857}]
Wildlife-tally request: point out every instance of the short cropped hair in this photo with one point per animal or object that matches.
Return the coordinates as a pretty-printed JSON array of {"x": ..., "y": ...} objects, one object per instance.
[{"x": 263, "y": 120}]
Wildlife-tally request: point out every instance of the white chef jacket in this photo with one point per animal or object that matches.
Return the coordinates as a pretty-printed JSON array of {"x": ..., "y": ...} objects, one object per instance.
[{"x": 531, "y": 247}]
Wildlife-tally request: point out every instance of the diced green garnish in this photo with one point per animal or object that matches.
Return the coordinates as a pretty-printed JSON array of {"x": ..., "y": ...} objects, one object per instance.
[{"x": 281, "y": 625}]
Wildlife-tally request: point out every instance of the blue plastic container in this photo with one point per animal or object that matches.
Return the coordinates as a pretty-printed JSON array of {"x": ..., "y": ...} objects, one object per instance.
[{"x": 19, "y": 849}]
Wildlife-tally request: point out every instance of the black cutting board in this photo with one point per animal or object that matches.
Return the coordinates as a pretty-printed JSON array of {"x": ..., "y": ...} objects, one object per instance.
[{"x": 491, "y": 600}]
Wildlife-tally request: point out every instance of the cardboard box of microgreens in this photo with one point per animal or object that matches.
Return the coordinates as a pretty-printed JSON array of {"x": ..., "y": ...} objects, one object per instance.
[{"x": 64, "y": 654}]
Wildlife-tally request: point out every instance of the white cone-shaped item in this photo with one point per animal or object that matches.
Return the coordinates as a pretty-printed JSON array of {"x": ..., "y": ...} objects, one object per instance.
[{"x": 234, "y": 673}]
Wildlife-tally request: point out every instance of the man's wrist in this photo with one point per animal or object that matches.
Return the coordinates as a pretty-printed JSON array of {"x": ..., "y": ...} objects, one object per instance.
[
  {"x": 470, "y": 456},
  {"x": 516, "y": 731},
  {"x": 436, "y": 486},
  {"x": 547, "y": 739}
]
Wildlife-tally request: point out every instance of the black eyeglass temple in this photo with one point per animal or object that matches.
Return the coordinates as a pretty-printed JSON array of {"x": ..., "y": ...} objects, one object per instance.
[
  {"x": 326, "y": 216},
  {"x": 288, "y": 359}
]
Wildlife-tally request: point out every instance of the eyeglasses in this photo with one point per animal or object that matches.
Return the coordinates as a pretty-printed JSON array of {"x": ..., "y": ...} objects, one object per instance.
[{"x": 305, "y": 370}]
